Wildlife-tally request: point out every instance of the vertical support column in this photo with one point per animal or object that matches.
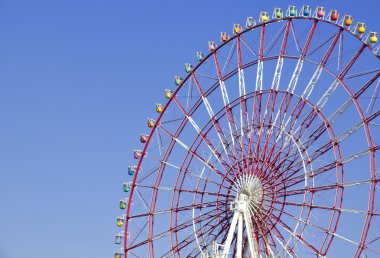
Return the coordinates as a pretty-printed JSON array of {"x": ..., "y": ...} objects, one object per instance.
[
  {"x": 239, "y": 247},
  {"x": 249, "y": 236},
  {"x": 230, "y": 235}
]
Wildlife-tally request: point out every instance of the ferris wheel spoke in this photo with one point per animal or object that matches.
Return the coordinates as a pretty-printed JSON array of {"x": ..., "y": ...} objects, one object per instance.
[
  {"x": 280, "y": 61},
  {"x": 177, "y": 209},
  {"x": 356, "y": 75},
  {"x": 183, "y": 190},
  {"x": 208, "y": 142},
  {"x": 267, "y": 248},
  {"x": 202, "y": 160},
  {"x": 323, "y": 43},
  {"x": 374, "y": 97},
  {"x": 206, "y": 179},
  {"x": 275, "y": 83},
  {"x": 242, "y": 96},
  {"x": 143, "y": 201},
  {"x": 290, "y": 136},
  {"x": 229, "y": 58},
  {"x": 286, "y": 101},
  {"x": 248, "y": 46},
  {"x": 307, "y": 223},
  {"x": 172, "y": 120},
  {"x": 336, "y": 209},
  {"x": 285, "y": 244},
  {"x": 315, "y": 189},
  {"x": 350, "y": 101},
  {"x": 151, "y": 172},
  {"x": 265, "y": 153},
  {"x": 294, "y": 175},
  {"x": 230, "y": 117},
  {"x": 287, "y": 97},
  {"x": 275, "y": 39},
  {"x": 315, "y": 77},
  {"x": 257, "y": 103},
  {"x": 256, "y": 106},
  {"x": 260, "y": 63},
  {"x": 322, "y": 101},
  {"x": 292, "y": 121},
  {"x": 187, "y": 171},
  {"x": 205, "y": 76},
  {"x": 329, "y": 232},
  {"x": 272, "y": 155},
  {"x": 311, "y": 138},
  {"x": 215, "y": 123},
  {"x": 295, "y": 38},
  {"x": 281, "y": 240},
  {"x": 301, "y": 152},
  {"x": 297, "y": 71},
  {"x": 323, "y": 148},
  {"x": 286, "y": 228}
]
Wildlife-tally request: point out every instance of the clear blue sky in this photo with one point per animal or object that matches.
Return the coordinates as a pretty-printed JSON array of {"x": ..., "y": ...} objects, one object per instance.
[{"x": 77, "y": 81}]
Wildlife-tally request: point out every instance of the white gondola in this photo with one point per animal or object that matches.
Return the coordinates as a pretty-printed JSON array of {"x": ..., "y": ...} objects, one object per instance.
[{"x": 250, "y": 22}]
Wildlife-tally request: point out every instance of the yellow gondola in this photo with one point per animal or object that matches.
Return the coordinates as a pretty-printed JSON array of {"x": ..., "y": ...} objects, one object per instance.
[
  {"x": 264, "y": 16},
  {"x": 237, "y": 29},
  {"x": 373, "y": 37},
  {"x": 120, "y": 221},
  {"x": 159, "y": 108},
  {"x": 168, "y": 93},
  {"x": 151, "y": 122},
  {"x": 360, "y": 28}
]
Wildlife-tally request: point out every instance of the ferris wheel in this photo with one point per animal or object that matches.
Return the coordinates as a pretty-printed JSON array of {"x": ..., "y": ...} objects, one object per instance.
[{"x": 268, "y": 147}]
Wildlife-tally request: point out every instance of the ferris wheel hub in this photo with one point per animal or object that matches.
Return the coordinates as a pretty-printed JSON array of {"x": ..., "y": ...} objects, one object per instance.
[{"x": 250, "y": 190}]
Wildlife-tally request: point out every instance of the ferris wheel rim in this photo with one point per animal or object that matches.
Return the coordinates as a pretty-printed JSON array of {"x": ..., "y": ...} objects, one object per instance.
[{"x": 274, "y": 57}]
